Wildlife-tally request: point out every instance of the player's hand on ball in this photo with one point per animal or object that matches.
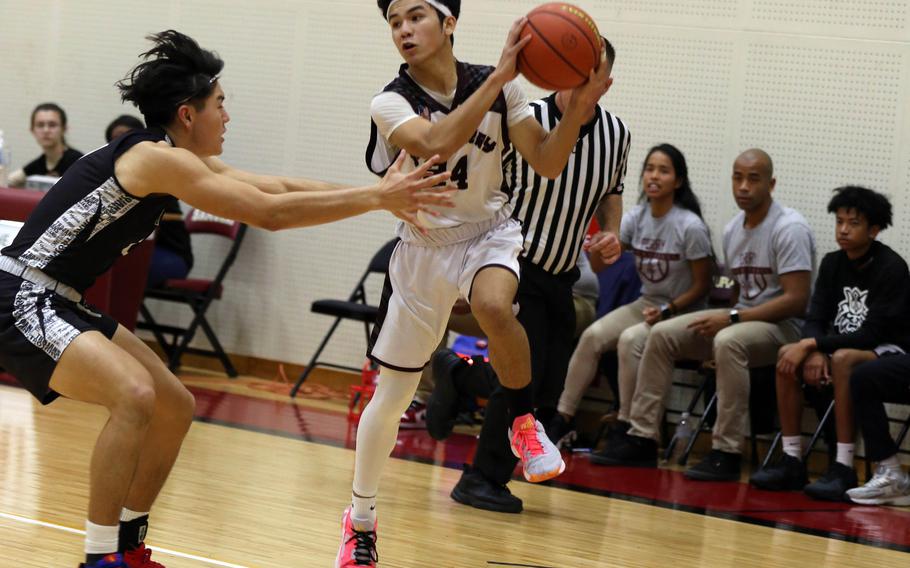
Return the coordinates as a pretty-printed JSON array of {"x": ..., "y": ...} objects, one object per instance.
[
  {"x": 507, "y": 69},
  {"x": 406, "y": 194}
]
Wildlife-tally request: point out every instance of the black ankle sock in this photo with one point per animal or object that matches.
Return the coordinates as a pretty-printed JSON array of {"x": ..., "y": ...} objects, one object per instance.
[
  {"x": 132, "y": 533},
  {"x": 521, "y": 401}
]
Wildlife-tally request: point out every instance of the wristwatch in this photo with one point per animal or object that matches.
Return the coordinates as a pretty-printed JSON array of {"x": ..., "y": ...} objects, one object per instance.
[
  {"x": 734, "y": 316},
  {"x": 666, "y": 312}
]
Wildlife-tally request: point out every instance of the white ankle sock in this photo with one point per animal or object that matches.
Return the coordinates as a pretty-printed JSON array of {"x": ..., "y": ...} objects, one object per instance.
[
  {"x": 127, "y": 515},
  {"x": 793, "y": 446},
  {"x": 101, "y": 539},
  {"x": 363, "y": 510},
  {"x": 891, "y": 463},
  {"x": 845, "y": 454}
]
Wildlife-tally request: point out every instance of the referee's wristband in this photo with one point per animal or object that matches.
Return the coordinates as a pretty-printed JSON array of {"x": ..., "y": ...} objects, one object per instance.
[{"x": 666, "y": 312}]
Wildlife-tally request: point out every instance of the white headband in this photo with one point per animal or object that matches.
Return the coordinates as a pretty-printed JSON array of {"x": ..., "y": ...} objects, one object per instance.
[{"x": 434, "y": 3}]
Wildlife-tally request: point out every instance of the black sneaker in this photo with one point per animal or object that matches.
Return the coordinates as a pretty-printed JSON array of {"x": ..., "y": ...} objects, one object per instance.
[
  {"x": 109, "y": 561},
  {"x": 834, "y": 484},
  {"x": 787, "y": 474},
  {"x": 442, "y": 408},
  {"x": 475, "y": 490},
  {"x": 561, "y": 431},
  {"x": 627, "y": 450},
  {"x": 717, "y": 466}
]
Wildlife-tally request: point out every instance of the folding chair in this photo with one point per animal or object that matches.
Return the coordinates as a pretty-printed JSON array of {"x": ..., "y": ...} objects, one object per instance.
[
  {"x": 354, "y": 308},
  {"x": 197, "y": 293}
]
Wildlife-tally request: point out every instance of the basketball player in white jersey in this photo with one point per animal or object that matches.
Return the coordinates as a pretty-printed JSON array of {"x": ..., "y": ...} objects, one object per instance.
[{"x": 469, "y": 115}]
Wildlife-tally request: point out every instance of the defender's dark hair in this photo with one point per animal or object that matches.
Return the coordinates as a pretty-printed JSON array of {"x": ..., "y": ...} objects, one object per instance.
[
  {"x": 454, "y": 6},
  {"x": 52, "y": 107},
  {"x": 683, "y": 195},
  {"x": 873, "y": 205},
  {"x": 176, "y": 71},
  {"x": 127, "y": 120}
]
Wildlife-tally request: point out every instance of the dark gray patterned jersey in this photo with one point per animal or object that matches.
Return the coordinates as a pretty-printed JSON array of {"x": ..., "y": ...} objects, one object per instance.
[{"x": 88, "y": 220}]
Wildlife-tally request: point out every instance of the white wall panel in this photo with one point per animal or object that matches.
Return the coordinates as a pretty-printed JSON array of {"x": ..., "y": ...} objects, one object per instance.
[{"x": 823, "y": 85}]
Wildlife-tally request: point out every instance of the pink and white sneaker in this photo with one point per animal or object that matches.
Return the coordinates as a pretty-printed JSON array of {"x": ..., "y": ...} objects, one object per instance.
[
  {"x": 358, "y": 547},
  {"x": 540, "y": 458}
]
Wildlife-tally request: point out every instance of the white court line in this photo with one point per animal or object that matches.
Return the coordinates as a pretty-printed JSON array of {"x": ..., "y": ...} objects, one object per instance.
[{"x": 158, "y": 548}]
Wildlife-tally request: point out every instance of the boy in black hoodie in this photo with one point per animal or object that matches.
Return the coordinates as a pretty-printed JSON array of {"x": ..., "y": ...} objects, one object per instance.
[{"x": 852, "y": 319}]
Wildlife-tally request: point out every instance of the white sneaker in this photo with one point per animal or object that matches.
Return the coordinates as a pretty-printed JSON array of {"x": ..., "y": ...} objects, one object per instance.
[
  {"x": 887, "y": 487},
  {"x": 540, "y": 459}
]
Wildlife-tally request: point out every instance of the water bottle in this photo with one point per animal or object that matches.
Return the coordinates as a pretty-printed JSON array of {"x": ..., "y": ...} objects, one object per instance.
[{"x": 4, "y": 162}]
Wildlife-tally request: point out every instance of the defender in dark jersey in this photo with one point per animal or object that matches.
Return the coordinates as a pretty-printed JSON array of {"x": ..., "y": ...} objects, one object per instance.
[
  {"x": 470, "y": 115},
  {"x": 111, "y": 199}
]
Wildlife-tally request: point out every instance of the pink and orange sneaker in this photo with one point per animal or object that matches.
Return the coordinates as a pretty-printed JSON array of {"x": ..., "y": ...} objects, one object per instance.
[
  {"x": 140, "y": 558},
  {"x": 540, "y": 459},
  {"x": 358, "y": 547}
]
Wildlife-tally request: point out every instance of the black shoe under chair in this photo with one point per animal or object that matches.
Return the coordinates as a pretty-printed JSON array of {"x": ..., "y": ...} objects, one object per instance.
[
  {"x": 475, "y": 490},
  {"x": 627, "y": 450},
  {"x": 833, "y": 484},
  {"x": 716, "y": 466},
  {"x": 787, "y": 474},
  {"x": 442, "y": 407}
]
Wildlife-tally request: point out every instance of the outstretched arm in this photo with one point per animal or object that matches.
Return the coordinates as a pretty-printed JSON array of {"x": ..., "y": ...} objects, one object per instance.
[
  {"x": 268, "y": 183},
  {"x": 153, "y": 168}
]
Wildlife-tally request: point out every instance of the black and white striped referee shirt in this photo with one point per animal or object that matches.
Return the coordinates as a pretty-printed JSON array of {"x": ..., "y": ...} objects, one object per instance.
[{"x": 555, "y": 214}]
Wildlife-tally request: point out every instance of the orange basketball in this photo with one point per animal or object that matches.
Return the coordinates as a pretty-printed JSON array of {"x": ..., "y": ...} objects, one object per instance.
[{"x": 564, "y": 47}]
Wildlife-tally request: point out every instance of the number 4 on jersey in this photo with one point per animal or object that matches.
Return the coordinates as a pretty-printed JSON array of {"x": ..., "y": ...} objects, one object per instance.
[{"x": 459, "y": 172}]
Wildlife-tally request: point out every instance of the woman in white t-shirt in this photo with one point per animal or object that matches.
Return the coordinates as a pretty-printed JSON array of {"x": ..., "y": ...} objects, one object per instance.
[{"x": 674, "y": 260}]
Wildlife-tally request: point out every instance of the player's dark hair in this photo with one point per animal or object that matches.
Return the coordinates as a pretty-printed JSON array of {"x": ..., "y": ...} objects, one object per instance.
[
  {"x": 683, "y": 195},
  {"x": 176, "y": 71},
  {"x": 52, "y": 107},
  {"x": 454, "y": 6},
  {"x": 871, "y": 204},
  {"x": 127, "y": 120}
]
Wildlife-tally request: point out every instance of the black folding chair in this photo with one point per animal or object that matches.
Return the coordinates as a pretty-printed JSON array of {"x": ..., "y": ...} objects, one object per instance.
[
  {"x": 198, "y": 294},
  {"x": 354, "y": 308}
]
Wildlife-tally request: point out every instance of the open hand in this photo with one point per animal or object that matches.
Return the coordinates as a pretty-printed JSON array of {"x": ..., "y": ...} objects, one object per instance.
[
  {"x": 709, "y": 326},
  {"x": 584, "y": 97},
  {"x": 406, "y": 194}
]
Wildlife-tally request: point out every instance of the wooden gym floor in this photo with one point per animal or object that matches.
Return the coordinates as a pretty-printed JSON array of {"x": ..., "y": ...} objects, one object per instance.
[{"x": 262, "y": 482}]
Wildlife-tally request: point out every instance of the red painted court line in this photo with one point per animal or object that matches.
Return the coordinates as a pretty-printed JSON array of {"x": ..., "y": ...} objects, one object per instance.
[{"x": 877, "y": 526}]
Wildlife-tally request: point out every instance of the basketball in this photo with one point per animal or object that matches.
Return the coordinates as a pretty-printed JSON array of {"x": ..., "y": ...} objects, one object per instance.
[{"x": 564, "y": 47}]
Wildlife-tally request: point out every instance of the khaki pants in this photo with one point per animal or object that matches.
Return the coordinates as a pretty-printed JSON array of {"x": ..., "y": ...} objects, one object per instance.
[
  {"x": 600, "y": 337},
  {"x": 735, "y": 349}
]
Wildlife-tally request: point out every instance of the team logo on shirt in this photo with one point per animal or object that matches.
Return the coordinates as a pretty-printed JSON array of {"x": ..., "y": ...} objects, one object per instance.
[
  {"x": 653, "y": 266},
  {"x": 752, "y": 279},
  {"x": 852, "y": 310}
]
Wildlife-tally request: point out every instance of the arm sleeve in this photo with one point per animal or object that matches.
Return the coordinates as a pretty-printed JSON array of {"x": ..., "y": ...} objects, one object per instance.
[
  {"x": 820, "y": 306},
  {"x": 627, "y": 226},
  {"x": 889, "y": 290},
  {"x": 697, "y": 240},
  {"x": 389, "y": 111},
  {"x": 793, "y": 248},
  {"x": 619, "y": 182},
  {"x": 517, "y": 103}
]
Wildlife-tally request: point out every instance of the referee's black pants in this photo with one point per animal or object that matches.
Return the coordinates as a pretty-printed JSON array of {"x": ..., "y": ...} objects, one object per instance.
[
  {"x": 547, "y": 313},
  {"x": 872, "y": 384}
]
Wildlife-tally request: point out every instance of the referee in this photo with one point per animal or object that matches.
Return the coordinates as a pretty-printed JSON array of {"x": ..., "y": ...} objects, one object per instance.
[{"x": 555, "y": 215}]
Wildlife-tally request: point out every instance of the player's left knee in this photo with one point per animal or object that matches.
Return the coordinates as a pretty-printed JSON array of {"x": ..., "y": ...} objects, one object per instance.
[
  {"x": 491, "y": 312},
  {"x": 842, "y": 362}
]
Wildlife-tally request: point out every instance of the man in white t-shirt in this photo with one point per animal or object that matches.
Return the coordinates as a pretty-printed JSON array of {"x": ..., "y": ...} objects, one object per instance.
[
  {"x": 769, "y": 250},
  {"x": 468, "y": 116}
]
